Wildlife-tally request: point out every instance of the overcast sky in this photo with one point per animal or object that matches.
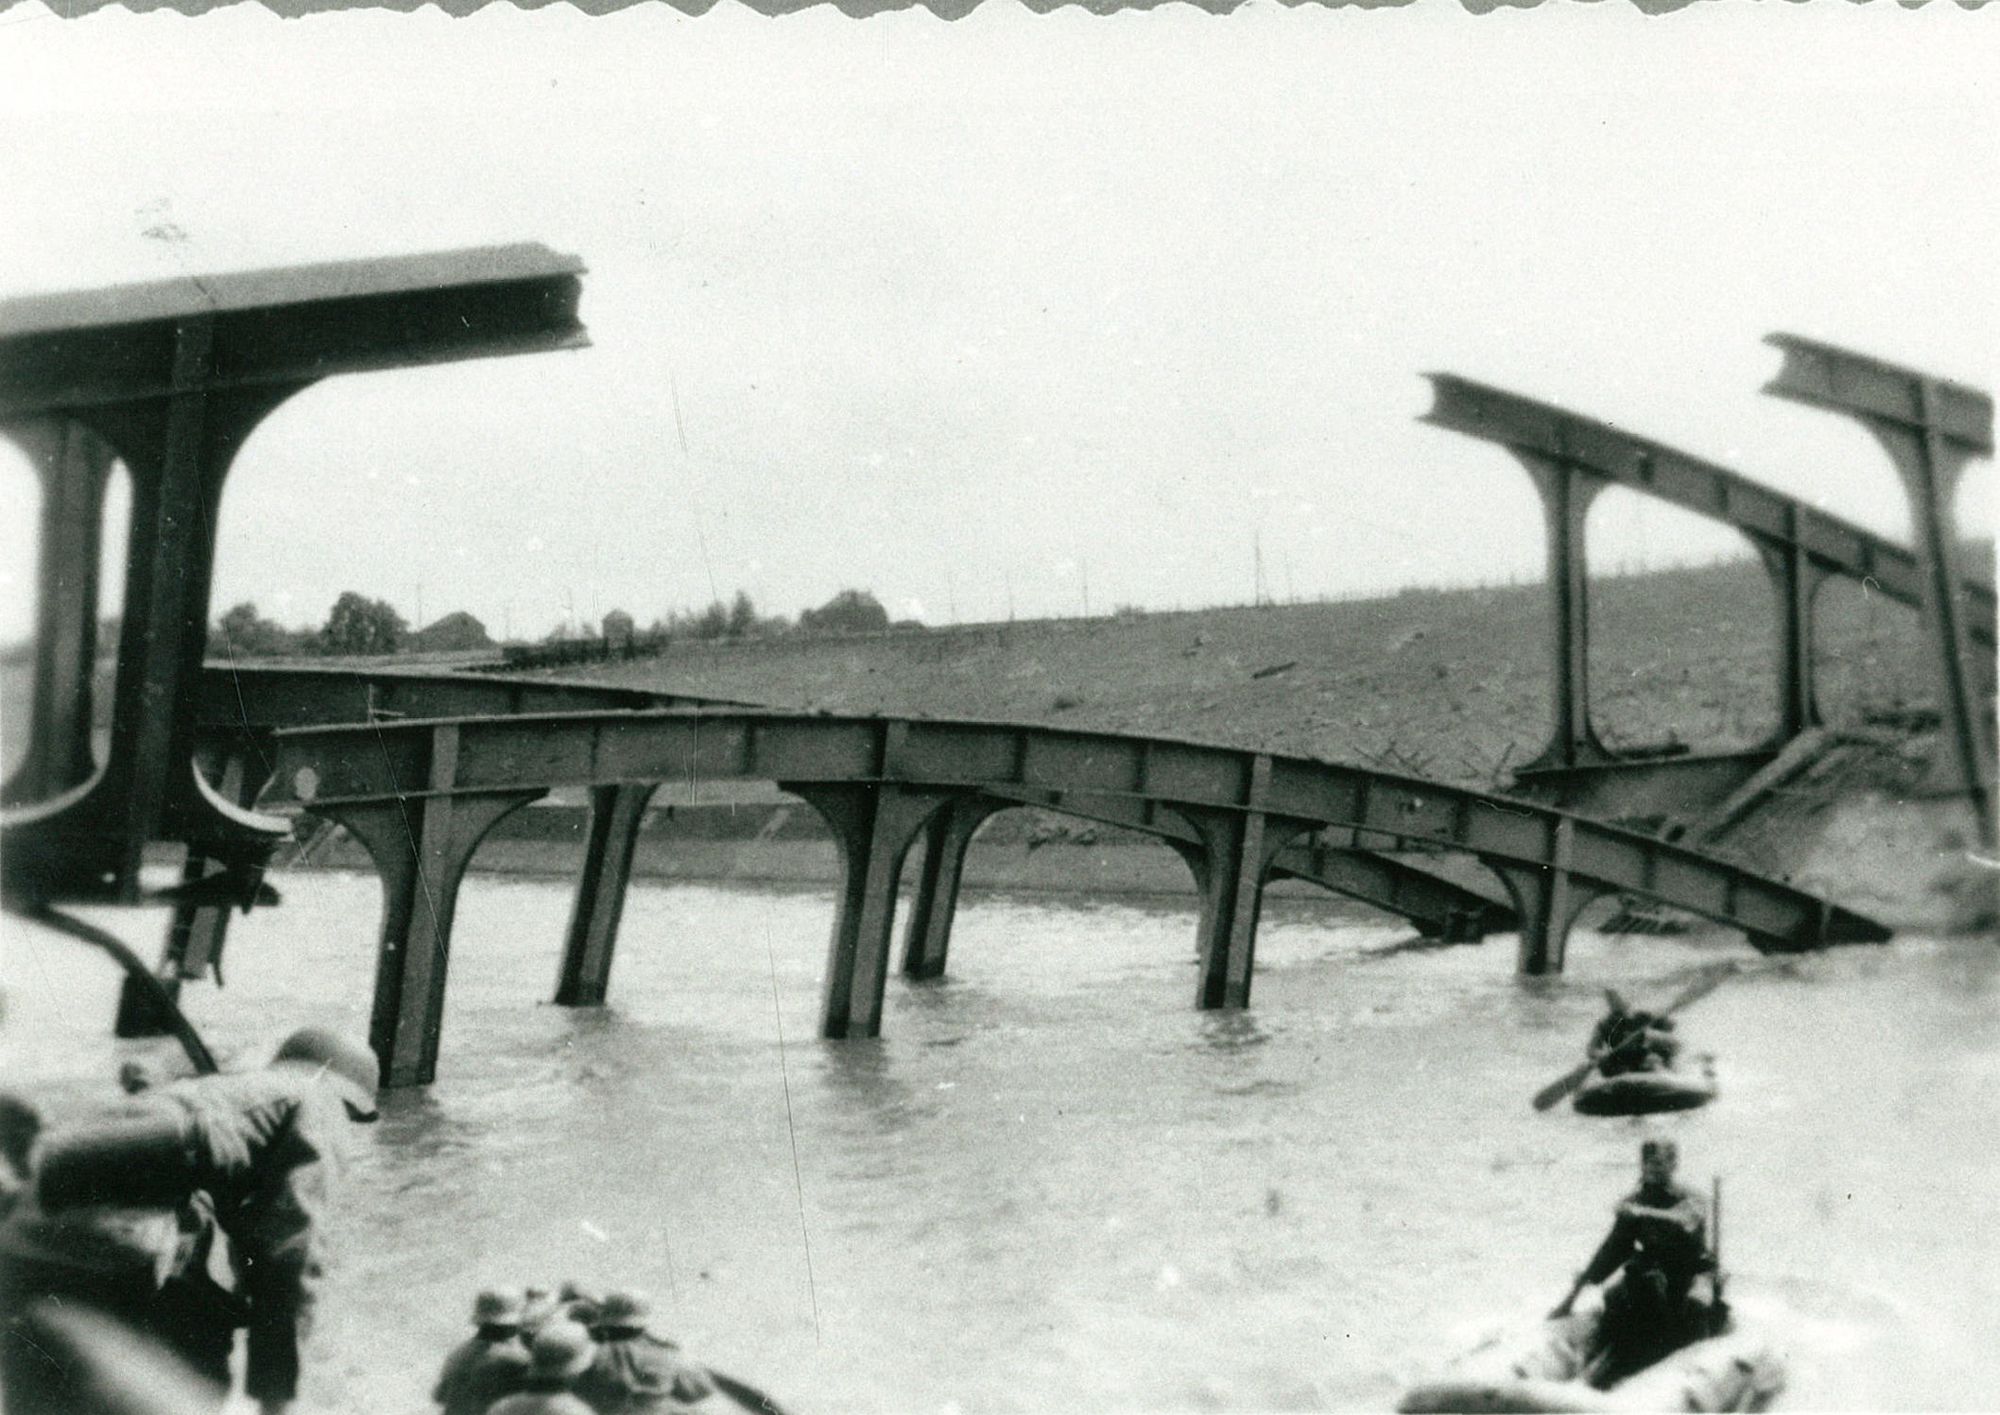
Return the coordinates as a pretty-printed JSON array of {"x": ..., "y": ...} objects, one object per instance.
[{"x": 966, "y": 313}]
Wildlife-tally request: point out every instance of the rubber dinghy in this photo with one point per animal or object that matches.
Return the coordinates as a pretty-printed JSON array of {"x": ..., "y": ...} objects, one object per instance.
[
  {"x": 1646, "y": 1092},
  {"x": 1541, "y": 1369}
]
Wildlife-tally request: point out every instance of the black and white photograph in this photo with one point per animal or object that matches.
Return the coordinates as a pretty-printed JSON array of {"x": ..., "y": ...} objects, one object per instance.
[{"x": 979, "y": 707}]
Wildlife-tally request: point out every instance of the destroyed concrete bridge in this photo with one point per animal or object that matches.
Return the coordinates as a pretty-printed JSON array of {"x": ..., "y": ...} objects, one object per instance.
[
  {"x": 422, "y": 794},
  {"x": 170, "y": 379}
]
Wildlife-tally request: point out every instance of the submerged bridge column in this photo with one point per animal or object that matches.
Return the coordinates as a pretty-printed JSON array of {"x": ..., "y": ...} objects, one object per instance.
[
  {"x": 1567, "y": 491},
  {"x": 1230, "y": 863},
  {"x": 1548, "y": 899},
  {"x": 616, "y": 814},
  {"x": 947, "y": 835},
  {"x": 874, "y": 824},
  {"x": 421, "y": 844}
]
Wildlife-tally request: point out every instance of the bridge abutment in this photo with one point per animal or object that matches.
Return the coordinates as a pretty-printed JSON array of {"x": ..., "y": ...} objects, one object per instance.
[{"x": 616, "y": 814}]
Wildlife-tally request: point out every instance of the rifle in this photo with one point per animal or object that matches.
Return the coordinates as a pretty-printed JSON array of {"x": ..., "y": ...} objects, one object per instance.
[
  {"x": 1718, "y": 1309},
  {"x": 1562, "y": 1308},
  {"x": 1570, "y": 1080}
]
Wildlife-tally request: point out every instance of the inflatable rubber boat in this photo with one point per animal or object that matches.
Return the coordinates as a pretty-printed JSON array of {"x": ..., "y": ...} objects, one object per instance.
[
  {"x": 1647, "y": 1092},
  {"x": 1542, "y": 1369}
]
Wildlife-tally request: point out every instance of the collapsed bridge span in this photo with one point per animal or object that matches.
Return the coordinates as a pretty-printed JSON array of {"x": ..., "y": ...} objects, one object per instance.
[{"x": 420, "y": 795}]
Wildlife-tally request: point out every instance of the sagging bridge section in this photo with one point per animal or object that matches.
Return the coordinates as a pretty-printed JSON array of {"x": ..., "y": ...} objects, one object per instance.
[{"x": 421, "y": 794}]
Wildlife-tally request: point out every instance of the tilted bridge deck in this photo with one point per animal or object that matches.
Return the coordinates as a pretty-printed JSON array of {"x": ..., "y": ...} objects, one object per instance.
[{"x": 1683, "y": 479}]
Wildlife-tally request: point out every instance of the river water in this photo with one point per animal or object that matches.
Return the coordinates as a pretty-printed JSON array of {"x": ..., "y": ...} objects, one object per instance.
[{"x": 1052, "y": 1184}]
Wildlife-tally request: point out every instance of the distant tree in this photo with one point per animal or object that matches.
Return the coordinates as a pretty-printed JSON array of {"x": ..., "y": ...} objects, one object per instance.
[
  {"x": 742, "y": 616},
  {"x": 712, "y": 622},
  {"x": 358, "y": 626},
  {"x": 245, "y": 633},
  {"x": 849, "y": 612},
  {"x": 618, "y": 627}
]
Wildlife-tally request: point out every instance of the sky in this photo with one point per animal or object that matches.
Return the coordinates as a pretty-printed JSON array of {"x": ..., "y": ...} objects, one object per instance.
[{"x": 1021, "y": 314}]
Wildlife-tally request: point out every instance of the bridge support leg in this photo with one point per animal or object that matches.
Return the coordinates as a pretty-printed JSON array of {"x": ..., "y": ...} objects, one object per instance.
[
  {"x": 1795, "y": 582},
  {"x": 73, "y": 465},
  {"x": 947, "y": 835},
  {"x": 1547, "y": 900},
  {"x": 421, "y": 846},
  {"x": 874, "y": 827},
  {"x": 1566, "y": 493},
  {"x": 1236, "y": 850},
  {"x": 616, "y": 813},
  {"x": 1930, "y": 429}
]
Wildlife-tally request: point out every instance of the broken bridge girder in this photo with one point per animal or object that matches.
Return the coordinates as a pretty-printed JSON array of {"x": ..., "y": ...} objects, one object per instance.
[
  {"x": 1437, "y": 906},
  {"x": 422, "y": 793},
  {"x": 387, "y": 760},
  {"x": 171, "y": 378},
  {"x": 1930, "y": 428},
  {"x": 1527, "y": 425}
]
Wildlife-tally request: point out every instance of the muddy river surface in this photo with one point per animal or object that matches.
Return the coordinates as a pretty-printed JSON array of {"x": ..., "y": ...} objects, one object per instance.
[{"x": 1052, "y": 1184}]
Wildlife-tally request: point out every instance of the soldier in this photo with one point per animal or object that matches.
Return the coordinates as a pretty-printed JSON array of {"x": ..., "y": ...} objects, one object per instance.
[
  {"x": 539, "y": 1306},
  {"x": 633, "y": 1369},
  {"x": 258, "y": 1145},
  {"x": 1626, "y": 1039},
  {"x": 491, "y": 1363},
  {"x": 560, "y": 1352},
  {"x": 1660, "y": 1241}
]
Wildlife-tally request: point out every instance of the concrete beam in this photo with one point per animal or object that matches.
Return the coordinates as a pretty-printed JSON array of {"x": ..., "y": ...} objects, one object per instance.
[{"x": 335, "y": 764}]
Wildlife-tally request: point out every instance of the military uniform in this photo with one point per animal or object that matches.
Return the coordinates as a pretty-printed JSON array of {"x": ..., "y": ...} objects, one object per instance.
[
  {"x": 560, "y": 1352},
  {"x": 634, "y": 1370},
  {"x": 1660, "y": 1240},
  {"x": 493, "y": 1363},
  {"x": 1656, "y": 1050},
  {"x": 247, "y": 1155}
]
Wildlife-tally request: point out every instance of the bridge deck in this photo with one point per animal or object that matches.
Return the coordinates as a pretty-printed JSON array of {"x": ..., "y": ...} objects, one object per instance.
[
  {"x": 1542, "y": 429},
  {"x": 255, "y": 700},
  {"x": 324, "y": 767}
]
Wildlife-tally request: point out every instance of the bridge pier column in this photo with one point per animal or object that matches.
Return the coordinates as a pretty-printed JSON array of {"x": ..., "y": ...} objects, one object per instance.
[
  {"x": 1547, "y": 900},
  {"x": 616, "y": 814},
  {"x": 1566, "y": 493},
  {"x": 1930, "y": 428},
  {"x": 421, "y": 846},
  {"x": 1235, "y": 851},
  {"x": 1795, "y": 583},
  {"x": 74, "y": 466},
  {"x": 874, "y": 825},
  {"x": 947, "y": 835},
  {"x": 197, "y": 932}
]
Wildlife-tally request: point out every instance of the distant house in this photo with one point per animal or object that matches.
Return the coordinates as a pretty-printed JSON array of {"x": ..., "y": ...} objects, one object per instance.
[
  {"x": 454, "y": 633},
  {"x": 618, "y": 629}
]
